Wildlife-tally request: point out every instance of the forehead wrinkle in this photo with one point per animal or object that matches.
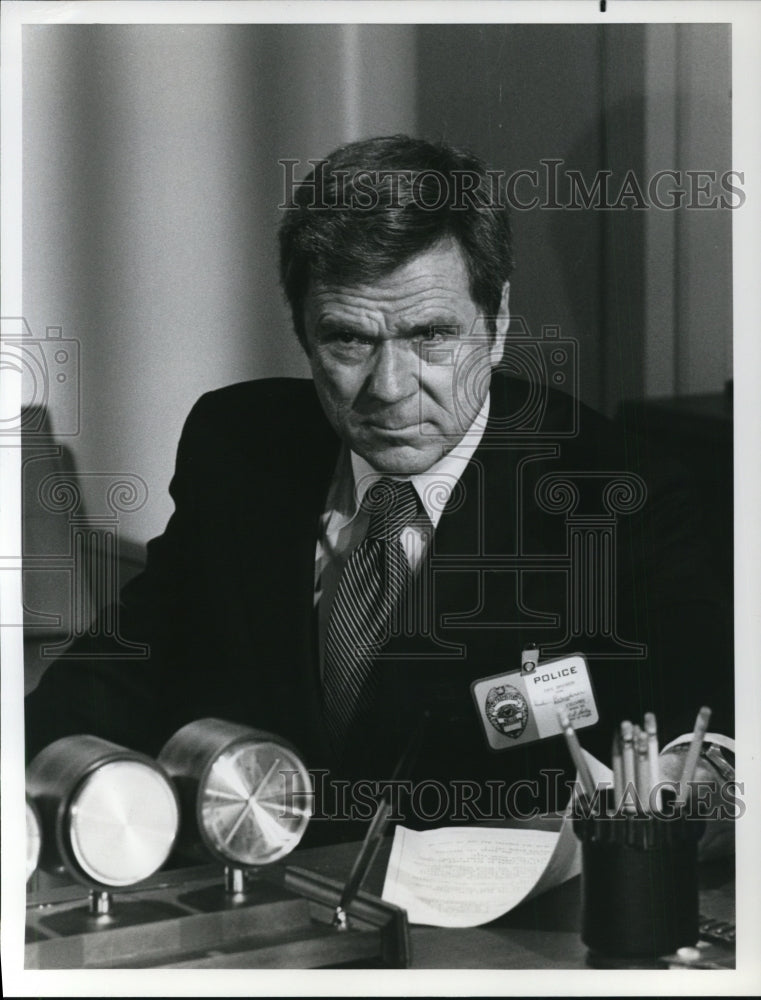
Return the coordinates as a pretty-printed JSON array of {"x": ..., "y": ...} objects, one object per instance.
[
  {"x": 431, "y": 287},
  {"x": 378, "y": 306},
  {"x": 397, "y": 287}
]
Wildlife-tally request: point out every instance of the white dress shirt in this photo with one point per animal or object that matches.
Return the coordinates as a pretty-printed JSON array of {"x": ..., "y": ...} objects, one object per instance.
[{"x": 344, "y": 524}]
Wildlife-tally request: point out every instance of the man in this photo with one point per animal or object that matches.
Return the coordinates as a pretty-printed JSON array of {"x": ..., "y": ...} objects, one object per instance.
[{"x": 348, "y": 555}]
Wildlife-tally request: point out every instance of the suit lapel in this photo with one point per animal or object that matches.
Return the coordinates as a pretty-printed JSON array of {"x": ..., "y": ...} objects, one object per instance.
[
  {"x": 304, "y": 510},
  {"x": 279, "y": 527}
]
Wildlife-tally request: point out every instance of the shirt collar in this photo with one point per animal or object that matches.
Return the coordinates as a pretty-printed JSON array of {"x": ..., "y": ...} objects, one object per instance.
[{"x": 435, "y": 485}]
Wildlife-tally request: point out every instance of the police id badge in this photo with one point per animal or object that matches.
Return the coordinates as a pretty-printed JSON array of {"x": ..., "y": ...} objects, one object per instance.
[{"x": 522, "y": 706}]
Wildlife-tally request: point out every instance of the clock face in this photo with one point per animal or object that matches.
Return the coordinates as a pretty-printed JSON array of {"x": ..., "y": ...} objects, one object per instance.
[
  {"x": 123, "y": 821},
  {"x": 33, "y": 841},
  {"x": 255, "y": 803}
]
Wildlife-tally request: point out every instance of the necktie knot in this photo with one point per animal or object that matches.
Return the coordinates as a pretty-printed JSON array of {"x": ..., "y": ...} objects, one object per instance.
[{"x": 392, "y": 505}]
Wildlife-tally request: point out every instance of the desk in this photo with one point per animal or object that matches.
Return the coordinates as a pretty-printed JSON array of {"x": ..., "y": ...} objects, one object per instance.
[{"x": 540, "y": 934}]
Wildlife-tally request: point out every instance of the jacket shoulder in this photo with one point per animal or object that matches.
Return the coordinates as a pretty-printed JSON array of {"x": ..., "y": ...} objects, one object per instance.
[
  {"x": 263, "y": 411},
  {"x": 278, "y": 395},
  {"x": 526, "y": 409},
  {"x": 268, "y": 427}
]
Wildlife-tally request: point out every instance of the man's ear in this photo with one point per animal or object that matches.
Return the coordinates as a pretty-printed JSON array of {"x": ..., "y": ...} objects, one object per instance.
[
  {"x": 301, "y": 321},
  {"x": 503, "y": 323},
  {"x": 301, "y": 335}
]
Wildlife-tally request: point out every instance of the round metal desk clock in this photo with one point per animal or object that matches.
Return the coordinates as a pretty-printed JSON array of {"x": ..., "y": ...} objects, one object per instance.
[
  {"x": 109, "y": 815},
  {"x": 244, "y": 793},
  {"x": 33, "y": 838}
]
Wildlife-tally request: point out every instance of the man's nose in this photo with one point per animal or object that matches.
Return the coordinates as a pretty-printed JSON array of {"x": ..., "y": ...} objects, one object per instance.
[{"x": 394, "y": 372}]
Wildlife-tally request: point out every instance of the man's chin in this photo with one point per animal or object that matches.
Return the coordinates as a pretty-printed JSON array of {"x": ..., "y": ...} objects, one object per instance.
[{"x": 402, "y": 459}]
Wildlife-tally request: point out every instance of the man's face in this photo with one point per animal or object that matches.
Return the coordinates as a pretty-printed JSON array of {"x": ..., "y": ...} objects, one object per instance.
[{"x": 401, "y": 365}]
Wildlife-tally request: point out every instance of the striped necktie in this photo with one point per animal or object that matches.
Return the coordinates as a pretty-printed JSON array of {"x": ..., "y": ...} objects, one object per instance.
[{"x": 371, "y": 587}]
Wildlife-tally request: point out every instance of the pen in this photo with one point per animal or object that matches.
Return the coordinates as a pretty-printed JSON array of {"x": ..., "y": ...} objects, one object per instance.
[
  {"x": 363, "y": 862},
  {"x": 651, "y": 728},
  {"x": 627, "y": 737},
  {"x": 374, "y": 836},
  {"x": 691, "y": 760},
  {"x": 585, "y": 775}
]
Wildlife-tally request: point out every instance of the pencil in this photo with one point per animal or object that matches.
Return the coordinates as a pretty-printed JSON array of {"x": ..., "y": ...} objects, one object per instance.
[
  {"x": 585, "y": 775},
  {"x": 643, "y": 769},
  {"x": 618, "y": 770},
  {"x": 691, "y": 760},
  {"x": 651, "y": 728},
  {"x": 627, "y": 737}
]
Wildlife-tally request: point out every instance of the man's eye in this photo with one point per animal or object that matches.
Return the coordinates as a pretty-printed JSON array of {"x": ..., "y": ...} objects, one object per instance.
[
  {"x": 348, "y": 343},
  {"x": 440, "y": 335}
]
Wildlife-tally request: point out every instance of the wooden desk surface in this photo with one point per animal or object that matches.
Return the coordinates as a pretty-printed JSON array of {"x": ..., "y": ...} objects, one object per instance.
[{"x": 540, "y": 934}]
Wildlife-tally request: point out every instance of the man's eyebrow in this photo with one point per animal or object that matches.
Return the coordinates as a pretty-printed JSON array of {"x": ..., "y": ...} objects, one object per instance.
[
  {"x": 426, "y": 328},
  {"x": 333, "y": 327},
  {"x": 328, "y": 326}
]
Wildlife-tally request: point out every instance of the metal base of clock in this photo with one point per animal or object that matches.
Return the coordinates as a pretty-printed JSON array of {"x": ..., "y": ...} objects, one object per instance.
[
  {"x": 186, "y": 919},
  {"x": 66, "y": 922},
  {"x": 212, "y": 898}
]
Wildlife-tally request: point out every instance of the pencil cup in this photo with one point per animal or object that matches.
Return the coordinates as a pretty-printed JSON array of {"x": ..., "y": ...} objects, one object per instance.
[{"x": 639, "y": 879}]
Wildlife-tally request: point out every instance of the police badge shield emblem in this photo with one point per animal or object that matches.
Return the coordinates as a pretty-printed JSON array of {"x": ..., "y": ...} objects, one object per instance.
[{"x": 506, "y": 710}]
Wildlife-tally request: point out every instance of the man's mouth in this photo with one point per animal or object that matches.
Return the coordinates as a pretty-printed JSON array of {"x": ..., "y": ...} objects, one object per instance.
[
  {"x": 395, "y": 435},
  {"x": 393, "y": 426}
]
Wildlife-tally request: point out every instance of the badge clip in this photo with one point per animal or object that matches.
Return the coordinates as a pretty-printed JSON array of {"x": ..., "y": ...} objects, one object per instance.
[{"x": 529, "y": 658}]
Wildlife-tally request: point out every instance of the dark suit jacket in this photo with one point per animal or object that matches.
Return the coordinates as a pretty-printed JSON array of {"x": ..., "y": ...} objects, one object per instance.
[{"x": 226, "y": 599}]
